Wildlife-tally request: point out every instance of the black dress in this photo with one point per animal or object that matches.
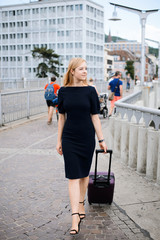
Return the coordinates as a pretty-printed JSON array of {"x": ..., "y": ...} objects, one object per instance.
[{"x": 78, "y": 137}]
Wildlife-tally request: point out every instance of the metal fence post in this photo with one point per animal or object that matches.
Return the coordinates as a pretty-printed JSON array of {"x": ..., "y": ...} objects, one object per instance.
[
  {"x": 1, "y": 120},
  {"x": 28, "y": 104}
]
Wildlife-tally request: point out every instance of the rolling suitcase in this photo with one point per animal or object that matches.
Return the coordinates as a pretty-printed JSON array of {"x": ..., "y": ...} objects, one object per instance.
[{"x": 101, "y": 184}]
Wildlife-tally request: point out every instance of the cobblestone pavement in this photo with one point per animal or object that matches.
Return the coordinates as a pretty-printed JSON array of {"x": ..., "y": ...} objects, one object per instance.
[{"x": 34, "y": 201}]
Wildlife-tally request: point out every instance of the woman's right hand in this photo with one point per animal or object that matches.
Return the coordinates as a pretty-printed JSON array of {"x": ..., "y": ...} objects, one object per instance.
[{"x": 59, "y": 148}]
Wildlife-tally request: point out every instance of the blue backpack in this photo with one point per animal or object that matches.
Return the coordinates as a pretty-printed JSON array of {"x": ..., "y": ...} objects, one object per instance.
[{"x": 49, "y": 92}]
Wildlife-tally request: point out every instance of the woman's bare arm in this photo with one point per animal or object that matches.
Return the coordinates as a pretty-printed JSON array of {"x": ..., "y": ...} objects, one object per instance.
[
  {"x": 61, "y": 122},
  {"x": 98, "y": 129}
]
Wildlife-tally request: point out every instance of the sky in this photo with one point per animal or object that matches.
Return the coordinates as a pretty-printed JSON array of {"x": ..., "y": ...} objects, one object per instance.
[{"x": 129, "y": 27}]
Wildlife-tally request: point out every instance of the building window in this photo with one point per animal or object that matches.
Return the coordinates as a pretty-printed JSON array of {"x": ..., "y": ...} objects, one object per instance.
[
  {"x": 69, "y": 8},
  {"x": 52, "y": 46},
  {"x": 19, "y": 24},
  {"x": 52, "y": 9},
  {"x": 91, "y": 9},
  {"x": 44, "y": 10},
  {"x": 12, "y": 24},
  {"x": 35, "y": 46},
  {"x": 109, "y": 61},
  {"x": 19, "y": 12},
  {"x": 43, "y": 23},
  {"x": 52, "y": 21},
  {"x": 5, "y": 14},
  {"x": 35, "y": 10},
  {"x": 12, "y": 13},
  {"x": 26, "y": 11},
  {"x": 60, "y": 8},
  {"x": 60, "y": 21}
]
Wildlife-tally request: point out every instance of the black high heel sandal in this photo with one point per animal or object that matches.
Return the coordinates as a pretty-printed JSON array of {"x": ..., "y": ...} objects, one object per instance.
[
  {"x": 74, "y": 230},
  {"x": 82, "y": 215}
]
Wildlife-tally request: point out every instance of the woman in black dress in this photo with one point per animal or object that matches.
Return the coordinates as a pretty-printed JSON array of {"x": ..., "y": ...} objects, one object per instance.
[{"x": 78, "y": 106}]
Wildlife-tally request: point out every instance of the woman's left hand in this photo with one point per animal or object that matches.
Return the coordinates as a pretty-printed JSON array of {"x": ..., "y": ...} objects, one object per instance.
[{"x": 103, "y": 146}]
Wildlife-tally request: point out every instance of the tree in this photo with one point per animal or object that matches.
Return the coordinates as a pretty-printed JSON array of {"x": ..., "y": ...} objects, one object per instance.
[
  {"x": 50, "y": 62},
  {"x": 130, "y": 68}
]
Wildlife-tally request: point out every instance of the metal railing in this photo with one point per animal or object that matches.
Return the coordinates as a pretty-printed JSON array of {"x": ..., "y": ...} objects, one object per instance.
[
  {"x": 21, "y": 104},
  {"x": 25, "y": 84}
]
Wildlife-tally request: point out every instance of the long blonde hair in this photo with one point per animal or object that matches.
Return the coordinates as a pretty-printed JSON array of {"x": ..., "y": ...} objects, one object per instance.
[{"x": 73, "y": 64}]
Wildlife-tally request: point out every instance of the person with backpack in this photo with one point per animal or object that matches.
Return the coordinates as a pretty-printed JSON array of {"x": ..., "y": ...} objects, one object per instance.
[{"x": 50, "y": 95}]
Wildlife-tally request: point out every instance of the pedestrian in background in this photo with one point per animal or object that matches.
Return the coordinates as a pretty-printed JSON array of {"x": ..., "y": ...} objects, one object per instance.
[
  {"x": 136, "y": 79},
  {"x": 112, "y": 75},
  {"x": 91, "y": 84},
  {"x": 115, "y": 86},
  {"x": 78, "y": 106},
  {"x": 128, "y": 82},
  {"x": 50, "y": 103}
]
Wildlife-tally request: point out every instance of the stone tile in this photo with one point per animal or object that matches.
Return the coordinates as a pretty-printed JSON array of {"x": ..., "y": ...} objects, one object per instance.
[{"x": 35, "y": 203}]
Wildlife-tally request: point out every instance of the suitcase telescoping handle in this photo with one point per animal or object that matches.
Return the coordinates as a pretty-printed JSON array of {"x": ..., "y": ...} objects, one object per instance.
[{"x": 109, "y": 168}]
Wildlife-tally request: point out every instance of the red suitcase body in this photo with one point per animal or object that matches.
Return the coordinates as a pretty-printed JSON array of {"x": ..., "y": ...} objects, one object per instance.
[{"x": 101, "y": 184}]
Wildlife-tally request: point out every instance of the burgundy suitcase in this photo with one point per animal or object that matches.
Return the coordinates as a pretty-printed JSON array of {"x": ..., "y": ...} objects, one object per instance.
[{"x": 101, "y": 184}]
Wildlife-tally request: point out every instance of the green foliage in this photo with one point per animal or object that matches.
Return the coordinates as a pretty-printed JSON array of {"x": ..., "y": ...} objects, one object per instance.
[
  {"x": 153, "y": 51},
  {"x": 114, "y": 38},
  {"x": 50, "y": 62},
  {"x": 42, "y": 70},
  {"x": 130, "y": 68},
  {"x": 156, "y": 70}
]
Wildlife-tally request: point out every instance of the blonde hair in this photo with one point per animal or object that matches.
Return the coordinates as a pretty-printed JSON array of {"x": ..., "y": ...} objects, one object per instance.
[{"x": 73, "y": 64}]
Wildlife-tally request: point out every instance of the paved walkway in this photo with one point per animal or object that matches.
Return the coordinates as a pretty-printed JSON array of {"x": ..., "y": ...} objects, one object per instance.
[{"x": 34, "y": 200}]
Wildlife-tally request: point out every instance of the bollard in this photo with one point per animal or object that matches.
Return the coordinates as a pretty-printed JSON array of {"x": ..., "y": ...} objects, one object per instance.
[
  {"x": 117, "y": 137},
  {"x": 124, "y": 141},
  {"x": 111, "y": 132},
  {"x": 142, "y": 149},
  {"x": 152, "y": 154},
  {"x": 156, "y": 94},
  {"x": 158, "y": 166},
  {"x": 133, "y": 138},
  {"x": 151, "y": 99},
  {"x": 145, "y": 96}
]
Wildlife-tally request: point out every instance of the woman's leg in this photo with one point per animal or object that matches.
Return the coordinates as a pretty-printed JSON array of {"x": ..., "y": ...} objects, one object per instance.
[
  {"x": 111, "y": 107},
  {"x": 83, "y": 189},
  {"x": 74, "y": 194}
]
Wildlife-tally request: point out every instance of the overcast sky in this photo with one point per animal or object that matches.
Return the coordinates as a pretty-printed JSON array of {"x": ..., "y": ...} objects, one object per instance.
[{"x": 129, "y": 27}]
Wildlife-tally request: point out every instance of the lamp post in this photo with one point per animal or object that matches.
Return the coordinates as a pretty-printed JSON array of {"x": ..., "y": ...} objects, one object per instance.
[
  {"x": 143, "y": 14},
  {"x": 158, "y": 56}
]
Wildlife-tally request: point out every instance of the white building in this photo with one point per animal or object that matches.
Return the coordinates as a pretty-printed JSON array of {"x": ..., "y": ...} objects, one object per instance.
[
  {"x": 108, "y": 64},
  {"x": 71, "y": 28},
  {"x": 132, "y": 46}
]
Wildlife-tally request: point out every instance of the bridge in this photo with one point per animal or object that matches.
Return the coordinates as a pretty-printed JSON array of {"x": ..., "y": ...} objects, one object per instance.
[{"x": 34, "y": 197}]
